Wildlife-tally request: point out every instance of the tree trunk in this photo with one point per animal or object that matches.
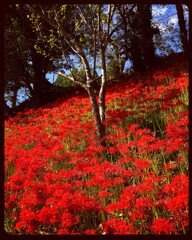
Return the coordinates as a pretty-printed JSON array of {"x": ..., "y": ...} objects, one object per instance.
[
  {"x": 41, "y": 85},
  {"x": 7, "y": 111},
  {"x": 121, "y": 65},
  {"x": 102, "y": 91},
  {"x": 182, "y": 26},
  {"x": 14, "y": 98},
  {"x": 135, "y": 42},
  {"x": 100, "y": 128},
  {"x": 136, "y": 57},
  {"x": 147, "y": 46},
  {"x": 120, "y": 59}
]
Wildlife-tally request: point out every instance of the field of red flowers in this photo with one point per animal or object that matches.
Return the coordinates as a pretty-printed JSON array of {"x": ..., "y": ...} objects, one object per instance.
[{"x": 59, "y": 181}]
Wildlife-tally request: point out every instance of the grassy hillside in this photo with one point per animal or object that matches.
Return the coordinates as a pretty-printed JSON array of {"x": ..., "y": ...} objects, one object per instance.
[{"x": 58, "y": 181}]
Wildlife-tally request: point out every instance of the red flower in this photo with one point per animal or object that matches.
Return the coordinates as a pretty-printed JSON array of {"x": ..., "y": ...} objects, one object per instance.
[
  {"x": 143, "y": 132},
  {"x": 143, "y": 202},
  {"x": 117, "y": 206},
  {"x": 158, "y": 145},
  {"x": 117, "y": 181},
  {"x": 142, "y": 163},
  {"x": 50, "y": 188},
  {"x": 11, "y": 201},
  {"x": 178, "y": 203},
  {"x": 171, "y": 165},
  {"x": 133, "y": 127},
  {"x": 27, "y": 221},
  {"x": 137, "y": 214},
  {"x": 87, "y": 203},
  {"x": 126, "y": 159},
  {"x": 115, "y": 226},
  {"x": 68, "y": 220},
  {"x": 113, "y": 150},
  {"x": 47, "y": 215},
  {"x": 28, "y": 201},
  {"x": 104, "y": 194},
  {"x": 99, "y": 180},
  {"x": 123, "y": 148},
  {"x": 144, "y": 187},
  {"x": 162, "y": 225}
]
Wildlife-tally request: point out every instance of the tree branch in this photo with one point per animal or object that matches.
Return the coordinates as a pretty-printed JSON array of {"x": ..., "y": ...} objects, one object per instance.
[
  {"x": 68, "y": 37},
  {"x": 115, "y": 29},
  {"x": 95, "y": 79},
  {"x": 72, "y": 79}
]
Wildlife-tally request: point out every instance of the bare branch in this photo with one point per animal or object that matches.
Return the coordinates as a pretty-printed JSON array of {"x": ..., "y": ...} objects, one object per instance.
[
  {"x": 72, "y": 79},
  {"x": 115, "y": 29},
  {"x": 109, "y": 19},
  {"x": 81, "y": 15},
  {"x": 95, "y": 79}
]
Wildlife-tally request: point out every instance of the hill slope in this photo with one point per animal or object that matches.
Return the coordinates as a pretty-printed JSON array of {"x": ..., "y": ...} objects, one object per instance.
[{"x": 58, "y": 181}]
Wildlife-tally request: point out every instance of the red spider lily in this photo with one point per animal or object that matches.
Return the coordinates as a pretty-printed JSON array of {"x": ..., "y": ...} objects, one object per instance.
[
  {"x": 48, "y": 215},
  {"x": 115, "y": 226},
  {"x": 28, "y": 221},
  {"x": 128, "y": 195},
  {"x": 178, "y": 185},
  {"x": 127, "y": 173},
  {"x": 161, "y": 225},
  {"x": 118, "y": 180},
  {"x": 173, "y": 145},
  {"x": 157, "y": 145},
  {"x": 171, "y": 165},
  {"x": 11, "y": 201},
  {"x": 123, "y": 148},
  {"x": 113, "y": 150},
  {"x": 143, "y": 202},
  {"x": 87, "y": 203},
  {"x": 143, "y": 142},
  {"x": 100, "y": 181},
  {"x": 111, "y": 208},
  {"x": 137, "y": 214},
  {"x": 141, "y": 132},
  {"x": 16, "y": 182},
  {"x": 144, "y": 187},
  {"x": 132, "y": 128},
  {"x": 30, "y": 200},
  {"x": 68, "y": 220},
  {"x": 178, "y": 203},
  {"x": 104, "y": 194},
  {"x": 142, "y": 163},
  {"x": 57, "y": 180},
  {"x": 126, "y": 159},
  {"x": 105, "y": 168}
]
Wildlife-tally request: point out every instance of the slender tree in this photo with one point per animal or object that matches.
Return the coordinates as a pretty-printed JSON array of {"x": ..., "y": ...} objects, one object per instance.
[
  {"x": 183, "y": 30},
  {"x": 79, "y": 32},
  {"x": 130, "y": 36},
  {"x": 146, "y": 34},
  {"x": 137, "y": 34}
]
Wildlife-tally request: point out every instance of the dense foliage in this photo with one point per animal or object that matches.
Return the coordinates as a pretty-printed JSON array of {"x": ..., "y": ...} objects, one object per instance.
[{"x": 58, "y": 181}]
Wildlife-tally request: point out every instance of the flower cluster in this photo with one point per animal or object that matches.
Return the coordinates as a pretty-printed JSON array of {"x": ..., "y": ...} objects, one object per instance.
[{"x": 59, "y": 181}]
